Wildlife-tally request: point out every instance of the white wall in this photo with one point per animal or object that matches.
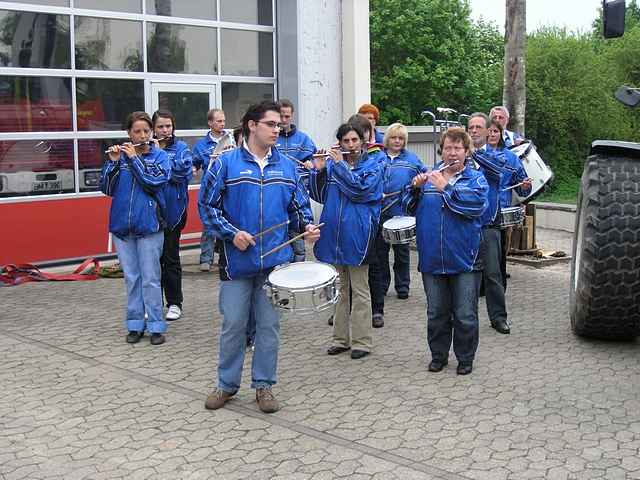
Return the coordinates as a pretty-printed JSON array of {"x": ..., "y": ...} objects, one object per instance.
[{"x": 319, "y": 109}]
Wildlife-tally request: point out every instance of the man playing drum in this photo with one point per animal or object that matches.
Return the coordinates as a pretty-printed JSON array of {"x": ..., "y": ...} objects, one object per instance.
[
  {"x": 350, "y": 188},
  {"x": 448, "y": 204},
  {"x": 246, "y": 191},
  {"x": 500, "y": 114}
]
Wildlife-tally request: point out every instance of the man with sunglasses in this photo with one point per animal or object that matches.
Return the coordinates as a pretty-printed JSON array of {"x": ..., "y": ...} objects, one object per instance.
[{"x": 248, "y": 190}]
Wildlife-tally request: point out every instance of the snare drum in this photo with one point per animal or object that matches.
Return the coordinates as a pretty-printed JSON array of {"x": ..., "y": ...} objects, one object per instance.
[
  {"x": 538, "y": 171},
  {"x": 303, "y": 287},
  {"x": 399, "y": 230},
  {"x": 511, "y": 216}
]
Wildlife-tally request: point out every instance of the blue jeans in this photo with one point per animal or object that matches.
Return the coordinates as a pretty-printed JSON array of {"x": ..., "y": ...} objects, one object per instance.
[
  {"x": 299, "y": 252},
  {"x": 140, "y": 261},
  {"x": 240, "y": 299},
  {"x": 452, "y": 311},
  {"x": 207, "y": 243}
]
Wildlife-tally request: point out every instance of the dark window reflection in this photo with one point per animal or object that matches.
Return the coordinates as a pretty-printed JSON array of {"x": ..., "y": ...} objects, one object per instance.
[
  {"x": 256, "y": 12},
  {"x": 91, "y": 156},
  {"x": 103, "y": 104},
  {"x": 131, "y": 6},
  {"x": 246, "y": 53},
  {"x": 36, "y": 167},
  {"x": 202, "y": 9},
  {"x": 35, "y": 40},
  {"x": 35, "y": 104},
  {"x": 51, "y": 3},
  {"x": 189, "y": 108},
  {"x": 236, "y": 98},
  {"x": 105, "y": 44},
  {"x": 181, "y": 49}
]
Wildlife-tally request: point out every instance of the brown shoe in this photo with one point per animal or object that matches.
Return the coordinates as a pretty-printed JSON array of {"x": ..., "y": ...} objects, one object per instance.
[
  {"x": 266, "y": 401},
  {"x": 217, "y": 399}
]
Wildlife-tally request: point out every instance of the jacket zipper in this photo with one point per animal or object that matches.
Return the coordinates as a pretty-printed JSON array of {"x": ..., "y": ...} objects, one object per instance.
[
  {"x": 133, "y": 186},
  {"x": 442, "y": 236},
  {"x": 339, "y": 223},
  {"x": 261, "y": 225}
]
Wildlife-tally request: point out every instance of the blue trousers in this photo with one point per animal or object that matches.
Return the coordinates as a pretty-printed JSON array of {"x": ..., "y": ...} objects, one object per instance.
[
  {"x": 207, "y": 243},
  {"x": 140, "y": 261},
  {"x": 452, "y": 313},
  {"x": 239, "y": 300}
]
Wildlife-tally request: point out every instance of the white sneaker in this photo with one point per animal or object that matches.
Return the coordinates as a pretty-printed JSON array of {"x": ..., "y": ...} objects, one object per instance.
[
  {"x": 205, "y": 267},
  {"x": 174, "y": 313}
]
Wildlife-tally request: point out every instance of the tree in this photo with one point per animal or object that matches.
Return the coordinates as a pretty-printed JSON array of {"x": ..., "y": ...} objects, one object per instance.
[
  {"x": 514, "y": 95},
  {"x": 426, "y": 54}
]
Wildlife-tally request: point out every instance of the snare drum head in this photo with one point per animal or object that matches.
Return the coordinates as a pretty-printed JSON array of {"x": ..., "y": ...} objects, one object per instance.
[
  {"x": 302, "y": 275},
  {"x": 398, "y": 223}
]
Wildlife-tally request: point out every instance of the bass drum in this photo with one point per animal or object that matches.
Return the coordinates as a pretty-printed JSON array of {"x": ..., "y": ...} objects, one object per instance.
[{"x": 538, "y": 171}]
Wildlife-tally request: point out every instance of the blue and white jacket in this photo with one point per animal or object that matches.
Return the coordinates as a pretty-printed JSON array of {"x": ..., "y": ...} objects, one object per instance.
[
  {"x": 203, "y": 149},
  {"x": 237, "y": 194},
  {"x": 448, "y": 223},
  {"x": 135, "y": 185},
  {"x": 379, "y": 136},
  {"x": 398, "y": 173},
  {"x": 297, "y": 145},
  {"x": 514, "y": 173},
  {"x": 176, "y": 191},
  {"x": 492, "y": 163},
  {"x": 509, "y": 138},
  {"x": 351, "y": 212}
]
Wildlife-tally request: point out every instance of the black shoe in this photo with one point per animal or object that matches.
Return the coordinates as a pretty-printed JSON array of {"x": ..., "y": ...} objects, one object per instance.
[
  {"x": 437, "y": 365},
  {"x": 356, "y": 354},
  {"x": 134, "y": 337},
  {"x": 501, "y": 326},
  {"x": 403, "y": 295},
  {"x": 330, "y": 321},
  {"x": 377, "y": 320},
  {"x": 335, "y": 350},
  {"x": 157, "y": 339},
  {"x": 464, "y": 368}
]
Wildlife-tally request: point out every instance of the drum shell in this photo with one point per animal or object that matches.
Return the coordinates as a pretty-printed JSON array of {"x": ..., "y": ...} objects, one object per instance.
[
  {"x": 538, "y": 171},
  {"x": 512, "y": 216},
  {"x": 399, "y": 236}
]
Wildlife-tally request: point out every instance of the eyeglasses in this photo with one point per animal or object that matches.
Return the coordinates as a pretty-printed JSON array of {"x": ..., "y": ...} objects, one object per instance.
[{"x": 272, "y": 125}]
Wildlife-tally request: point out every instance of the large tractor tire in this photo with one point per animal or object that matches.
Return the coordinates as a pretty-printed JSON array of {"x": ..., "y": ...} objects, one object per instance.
[{"x": 605, "y": 269}]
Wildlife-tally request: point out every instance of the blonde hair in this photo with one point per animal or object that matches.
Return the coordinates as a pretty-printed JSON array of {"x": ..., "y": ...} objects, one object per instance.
[{"x": 396, "y": 129}]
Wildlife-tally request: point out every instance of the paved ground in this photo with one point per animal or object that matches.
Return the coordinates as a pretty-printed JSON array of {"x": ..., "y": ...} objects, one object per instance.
[{"x": 78, "y": 402}]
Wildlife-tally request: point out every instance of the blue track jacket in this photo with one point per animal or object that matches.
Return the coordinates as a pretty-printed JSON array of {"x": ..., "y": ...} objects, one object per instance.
[
  {"x": 351, "y": 212},
  {"x": 448, "y": 223},
  {"x": 176, "y": 191},
  {"x": 135, "y": 185},
  {"x": 492, "y": 165},
  {"x": 236, "y": 194},
  {"x": 298, "y": 147},
  {"x": 398, "y": 173},
  {"x": 203, "y": 149},
  {"x": 514, "y": 173}
]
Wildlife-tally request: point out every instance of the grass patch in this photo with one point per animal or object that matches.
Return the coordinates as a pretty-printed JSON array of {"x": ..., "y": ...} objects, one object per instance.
[{"x": 562, "y": 192}]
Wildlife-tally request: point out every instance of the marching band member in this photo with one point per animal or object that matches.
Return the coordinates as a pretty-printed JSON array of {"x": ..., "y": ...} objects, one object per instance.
[
  {"x": 245, "y": 191},
  {"x": 500, "y": 114},
  {"x": 134, "y": 177},
  {"x": 372, "y": 113},
  {"x": 350, "y": 189},
  {"x": 448, "y": 205},
  {"x": 401, "y": 166},
  {"x": 176, "y": 193}
]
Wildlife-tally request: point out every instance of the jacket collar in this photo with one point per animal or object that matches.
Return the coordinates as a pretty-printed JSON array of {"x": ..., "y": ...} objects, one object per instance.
[{"x": 290, "y": 133}]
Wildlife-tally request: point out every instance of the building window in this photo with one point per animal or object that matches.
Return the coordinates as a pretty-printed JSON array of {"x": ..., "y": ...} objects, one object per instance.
[
  {"x": 255, "y": 12},
  {"x": 34, "y": 40},
  {"x": 247, "y": 53},
  {"x": 49, "y": 3},
  {"x": 91, "y": 156},
  {"x": 35, "y": 104},
  {"x": 129, "y": 6},
  {"x": 181, "y": 49},
  {"x": 236, "y": 98},
  {"x": 189, "y": 108},
  {"x": 105, "y": 44},
  {"x": 103, "y": 104},
  {"x": 201, "y": 9},
  {"x": 36, "y": 167}
]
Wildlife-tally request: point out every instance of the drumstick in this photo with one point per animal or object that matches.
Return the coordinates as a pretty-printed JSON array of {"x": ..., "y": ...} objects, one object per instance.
[
  {"x": 288, "y": 242},
  {"x": 389, "y": 206},
  {"x": 515, "y": 186},
  {"x": 270, "y": 229},
  {"x": 392, "y": 194}
]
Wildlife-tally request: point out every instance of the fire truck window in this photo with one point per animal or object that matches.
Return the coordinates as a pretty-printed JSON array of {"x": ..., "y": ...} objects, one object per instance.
[
  {"x": 36, "y": 167},
  {"x": 35, "y": 104},
  {"x": 255, "y": 12},
  {"x": 246, "y": 53},
  {"x": 34, "y": 40},
  {"x": 105, "y": 44},
  {"x": 181, "y": 49},
  {"x": 202, "y": 9},
  {"x": 236, "y": 98},
  {"x": 103, "y": 104}
]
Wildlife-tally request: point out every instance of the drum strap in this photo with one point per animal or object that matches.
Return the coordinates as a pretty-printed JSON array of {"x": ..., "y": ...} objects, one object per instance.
[{"x": 17, "y": 274}]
